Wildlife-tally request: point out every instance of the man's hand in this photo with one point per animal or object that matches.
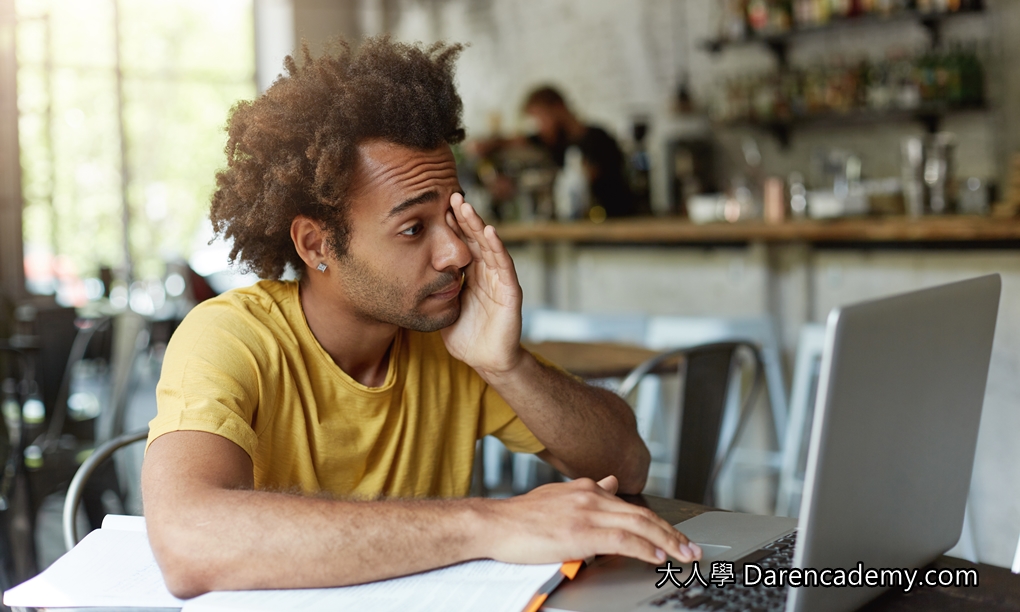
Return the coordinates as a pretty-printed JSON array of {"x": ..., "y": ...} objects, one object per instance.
[
  {"x": 488, "y": 333},
  {"x": 577, "y": 520}
]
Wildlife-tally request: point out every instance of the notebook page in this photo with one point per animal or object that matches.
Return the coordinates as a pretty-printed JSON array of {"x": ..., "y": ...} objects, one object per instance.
[
  {"x": 124, "y": 522},
  {"x": 109, "y": 568},
  {"x": 476, "y": 585}
]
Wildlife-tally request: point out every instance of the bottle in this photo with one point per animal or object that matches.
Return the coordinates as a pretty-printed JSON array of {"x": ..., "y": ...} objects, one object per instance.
[
  {"x": 11, "y": 409},
  {"x": 33, "y": 413},
  {"x": 570, "y": 190}
]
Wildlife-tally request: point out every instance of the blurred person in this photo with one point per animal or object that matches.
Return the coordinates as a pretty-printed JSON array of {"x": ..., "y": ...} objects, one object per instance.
[
  {"x": 321, "y": 432},
  {"x": 559, "y": 129}
]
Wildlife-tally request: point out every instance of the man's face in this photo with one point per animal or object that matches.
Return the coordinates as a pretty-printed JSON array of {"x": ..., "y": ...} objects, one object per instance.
[
  {"x": 549, "y": 122},
  {"x": 403, "y": 263}
]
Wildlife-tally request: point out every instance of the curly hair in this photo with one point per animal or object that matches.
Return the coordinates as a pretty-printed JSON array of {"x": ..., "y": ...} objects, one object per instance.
[{"x": 294, "y": 150}]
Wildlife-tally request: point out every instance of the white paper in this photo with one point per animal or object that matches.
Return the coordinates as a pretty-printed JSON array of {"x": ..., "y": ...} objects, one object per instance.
[
  {"x": 477, "y": 585},
  {"x": 114, "y": 567},
  {"x": 124, "y": 523},
  {"x": 110, "y": 567}
]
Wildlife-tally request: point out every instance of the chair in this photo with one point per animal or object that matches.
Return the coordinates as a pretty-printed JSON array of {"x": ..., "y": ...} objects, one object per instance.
[
  {"x": 586, "y": 327},
  {"x": 77, "y": 486},
  {"x": 707, "y": 374},
  {"x": 1016, "y": 560},
  {"x": 802, "y": 405},
  {"x": 670, "y": 332}
]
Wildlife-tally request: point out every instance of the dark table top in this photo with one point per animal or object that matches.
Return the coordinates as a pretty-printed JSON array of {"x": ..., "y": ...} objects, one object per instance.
[{"x": 998, "y": 589}]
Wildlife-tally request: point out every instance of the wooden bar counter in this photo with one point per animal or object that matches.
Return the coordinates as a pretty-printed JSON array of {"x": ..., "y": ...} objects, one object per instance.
[{"x": 672, "y": 230}]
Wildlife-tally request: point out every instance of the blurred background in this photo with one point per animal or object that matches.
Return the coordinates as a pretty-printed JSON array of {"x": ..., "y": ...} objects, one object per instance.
[{"x": 666, "y": 173}]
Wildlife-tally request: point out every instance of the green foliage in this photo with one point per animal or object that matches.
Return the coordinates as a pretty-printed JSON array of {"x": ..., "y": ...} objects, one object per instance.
[{"x": 185, "y": 63}]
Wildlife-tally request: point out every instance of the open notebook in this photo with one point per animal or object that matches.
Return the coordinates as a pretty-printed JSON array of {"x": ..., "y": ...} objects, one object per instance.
[{"x": 114, "y": 567}]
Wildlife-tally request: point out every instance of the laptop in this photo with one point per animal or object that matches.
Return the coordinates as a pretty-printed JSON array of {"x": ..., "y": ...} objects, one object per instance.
[{"x": 888, "y": 470}]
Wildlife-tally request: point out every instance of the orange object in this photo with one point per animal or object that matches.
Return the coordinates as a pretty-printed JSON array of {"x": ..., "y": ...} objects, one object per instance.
[{"x": 567, "y": 571}]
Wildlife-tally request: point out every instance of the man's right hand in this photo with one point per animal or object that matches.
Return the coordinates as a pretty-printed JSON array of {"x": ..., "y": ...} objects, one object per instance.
[{"x": 577, "y": 520}]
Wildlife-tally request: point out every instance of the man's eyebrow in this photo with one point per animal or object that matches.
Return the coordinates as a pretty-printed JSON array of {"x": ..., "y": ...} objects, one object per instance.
[{"x": 423, "y": 198}]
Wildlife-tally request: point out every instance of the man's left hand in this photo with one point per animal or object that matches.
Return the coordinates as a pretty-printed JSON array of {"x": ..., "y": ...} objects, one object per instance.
[{"x": 488, "y": 333}]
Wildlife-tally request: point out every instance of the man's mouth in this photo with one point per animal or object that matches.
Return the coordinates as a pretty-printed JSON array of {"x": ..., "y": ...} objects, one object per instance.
[{"x": 447, "y": 292}]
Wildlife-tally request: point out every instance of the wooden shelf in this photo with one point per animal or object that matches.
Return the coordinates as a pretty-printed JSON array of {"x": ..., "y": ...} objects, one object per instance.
[
  {"x": 779, "y": 42},
  {"x": 660, "y": 230},
  {"x": 930, "y": 116}
]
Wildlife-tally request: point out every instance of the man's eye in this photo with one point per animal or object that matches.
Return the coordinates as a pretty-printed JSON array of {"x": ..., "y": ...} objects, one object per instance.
[{"x": 414, "y": 230}]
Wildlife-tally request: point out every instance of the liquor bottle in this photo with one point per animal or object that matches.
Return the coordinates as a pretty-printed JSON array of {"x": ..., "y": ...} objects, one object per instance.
[{"x": 11, "y": 409}]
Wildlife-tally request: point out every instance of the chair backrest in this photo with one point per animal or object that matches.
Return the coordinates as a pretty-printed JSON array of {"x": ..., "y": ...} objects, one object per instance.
[
  {"x": 706, "y": 372},
  {"x": 544, "y": 325},
  {"x": 77, "y": 486},
  {"x": 668, "y": 332}
]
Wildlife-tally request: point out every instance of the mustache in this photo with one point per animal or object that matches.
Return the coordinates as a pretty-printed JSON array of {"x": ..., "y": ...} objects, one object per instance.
[{"x": 444, "y": 280}]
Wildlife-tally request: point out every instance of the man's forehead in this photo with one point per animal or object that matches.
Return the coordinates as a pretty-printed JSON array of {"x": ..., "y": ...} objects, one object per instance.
[{"x": 392, "y": 166}]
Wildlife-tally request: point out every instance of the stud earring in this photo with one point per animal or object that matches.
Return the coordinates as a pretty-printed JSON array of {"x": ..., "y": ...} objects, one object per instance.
[{"x": 321, "y": 267}]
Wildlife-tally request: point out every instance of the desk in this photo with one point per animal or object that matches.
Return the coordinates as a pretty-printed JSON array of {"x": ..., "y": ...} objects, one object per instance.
[{"x": 998, "y": 589}]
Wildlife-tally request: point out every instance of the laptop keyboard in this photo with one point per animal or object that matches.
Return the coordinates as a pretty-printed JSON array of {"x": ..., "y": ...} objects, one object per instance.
[{"x": 735, "y": 597}]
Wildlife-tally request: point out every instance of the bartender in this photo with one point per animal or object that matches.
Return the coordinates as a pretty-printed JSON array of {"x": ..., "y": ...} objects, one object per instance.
[{"x": 559, "y": 128}]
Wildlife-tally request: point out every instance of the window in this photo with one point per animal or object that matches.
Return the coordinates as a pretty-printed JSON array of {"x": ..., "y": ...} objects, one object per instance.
[{"x": 122, "y": 109}]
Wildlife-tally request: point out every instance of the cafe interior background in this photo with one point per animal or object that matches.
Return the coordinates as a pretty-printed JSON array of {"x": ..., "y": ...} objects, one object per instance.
[{"x": 785, "y": 157}]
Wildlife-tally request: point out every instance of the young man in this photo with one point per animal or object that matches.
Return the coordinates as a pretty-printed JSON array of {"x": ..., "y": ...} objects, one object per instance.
[{"x": 320, "y": 432}]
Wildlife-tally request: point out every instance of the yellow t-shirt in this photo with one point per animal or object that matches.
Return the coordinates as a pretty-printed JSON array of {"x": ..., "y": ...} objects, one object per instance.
[{"x": 246, "y": 366}]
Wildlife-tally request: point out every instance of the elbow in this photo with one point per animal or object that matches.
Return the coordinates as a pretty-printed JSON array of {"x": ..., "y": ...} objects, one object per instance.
[
  {"x": 633, "y": 473},
  {"x": 182, "y": 570},
  {"x": 182, "y": 581},
  {"x": 183, "y": 584}
]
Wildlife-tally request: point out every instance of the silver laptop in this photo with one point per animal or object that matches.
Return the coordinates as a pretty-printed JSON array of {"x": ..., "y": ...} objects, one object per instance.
[{"x": 889, "y": 464}]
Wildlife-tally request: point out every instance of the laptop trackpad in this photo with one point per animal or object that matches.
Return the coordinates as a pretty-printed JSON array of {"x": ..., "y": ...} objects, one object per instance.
[{"x": 711, "y": 551}]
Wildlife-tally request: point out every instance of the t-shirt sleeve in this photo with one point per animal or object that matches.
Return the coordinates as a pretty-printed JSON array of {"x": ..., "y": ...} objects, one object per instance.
[
  {"x": 500, "y": 420},
  {"x": 209, "y": 381}
]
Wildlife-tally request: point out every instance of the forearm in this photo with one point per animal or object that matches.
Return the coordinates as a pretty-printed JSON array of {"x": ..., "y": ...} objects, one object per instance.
[
  {"x": 591, "y": 431},
  {"x": 221, "y": 539}
]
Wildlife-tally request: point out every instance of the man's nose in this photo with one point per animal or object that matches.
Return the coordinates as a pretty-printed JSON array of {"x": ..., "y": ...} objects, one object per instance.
[{"x": 449, "y": 251}]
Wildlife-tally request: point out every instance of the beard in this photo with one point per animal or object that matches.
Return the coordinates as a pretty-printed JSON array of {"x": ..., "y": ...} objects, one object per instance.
[{"x": 378, "y": 298}]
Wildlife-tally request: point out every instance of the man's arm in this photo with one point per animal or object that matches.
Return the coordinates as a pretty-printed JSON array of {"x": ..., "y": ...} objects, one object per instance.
[
  {"x": 210, "y": 531},
  {"x": 586, "y": 431}
]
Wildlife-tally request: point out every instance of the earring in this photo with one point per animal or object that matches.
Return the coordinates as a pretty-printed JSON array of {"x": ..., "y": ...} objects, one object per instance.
[{"x": 321, "y": 267}]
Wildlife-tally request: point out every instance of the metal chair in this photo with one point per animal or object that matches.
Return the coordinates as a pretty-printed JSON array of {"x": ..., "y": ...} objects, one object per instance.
[
  {"x": 1016, "y": 560},
  {"x": 802, "y": 407},
  {"x": 670, "y": 332},
  {"x": 77, "y": 486},
  {"x": 707, "y": 374}
]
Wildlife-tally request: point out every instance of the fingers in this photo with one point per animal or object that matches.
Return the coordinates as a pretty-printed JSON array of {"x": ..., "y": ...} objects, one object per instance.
[
  {"x": 482, "y": 240},
  {"x": 611, "y": 512},
  {"x": 624, "y": 542},
  {"x": 470, "y": 232},
  {"x": 610, "y": 484}
]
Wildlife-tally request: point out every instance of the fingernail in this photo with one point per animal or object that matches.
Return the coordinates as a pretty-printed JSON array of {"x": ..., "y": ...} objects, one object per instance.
[
  {"x": 695, "y": 549},
  {"x": 686, "y": 551}
]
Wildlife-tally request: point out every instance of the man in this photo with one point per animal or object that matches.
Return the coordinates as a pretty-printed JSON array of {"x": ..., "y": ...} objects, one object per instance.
[
  {"x": 319, "y": 433},
  {"x": 559, "y": 128}
]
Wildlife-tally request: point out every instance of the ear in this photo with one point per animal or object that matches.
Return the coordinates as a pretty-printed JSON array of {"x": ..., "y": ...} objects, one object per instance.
[{"x": 309, "y": 240}]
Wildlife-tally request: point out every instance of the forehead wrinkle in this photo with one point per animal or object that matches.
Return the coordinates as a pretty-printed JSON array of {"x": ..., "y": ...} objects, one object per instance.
[
  {"x": 400, "y": 175},
  {"x": 437, "y": 165}
]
